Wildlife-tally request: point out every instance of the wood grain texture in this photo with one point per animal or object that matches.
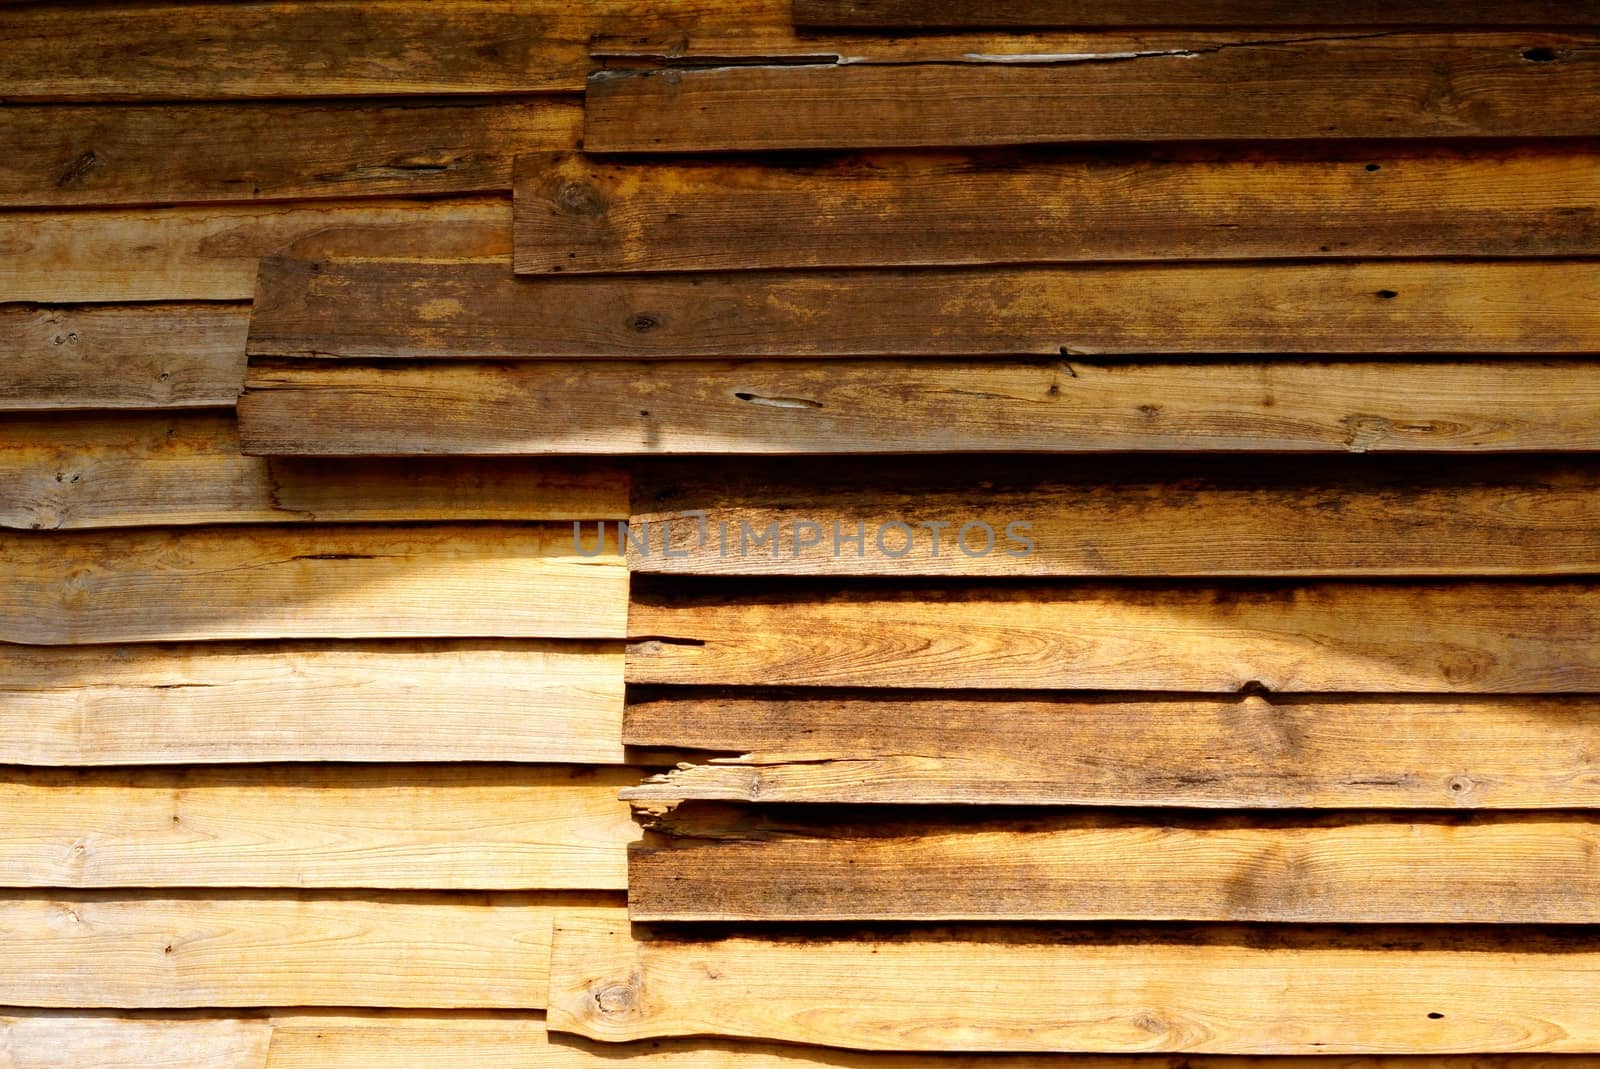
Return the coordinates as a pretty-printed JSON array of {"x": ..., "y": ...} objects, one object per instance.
[
  {"x": 1362, "y": 85},
  {"x": 959, "y": 14},
  {"x": 581, "y": 214},
  {"x": 1016, "y": 517},
  {"x": 121, "y": 356},
  {"x": 469, "y": 1039},
  {"x": 499, "y": 827},
  {"x": 109, "y": 949},
  {"x": 442, "y": 311},
  {"x": 210, "y": 253},
  {"x": 171, "y": 470},
  {"x": 1281, "y": 990},
  {"x": 176, "y": 51},
  {"x": 1121, "y": 750},
  {"x": 1455, "y": 637},
  {"x": 704, "y": 862},
  {"x": 99, "y": 156},
  {"x": 865, "y": 406},
  {"x": 233, "y": 703},
  {"x": 336, "y": 581}
]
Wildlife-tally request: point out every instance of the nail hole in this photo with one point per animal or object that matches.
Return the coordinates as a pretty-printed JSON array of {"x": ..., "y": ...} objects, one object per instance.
[
  {"x": 1435, "y": 1016},
  {"x": 1388, "y": 295},
  {"x": 1374, "y": 167},
  {"x": 1540, "y": 55}
]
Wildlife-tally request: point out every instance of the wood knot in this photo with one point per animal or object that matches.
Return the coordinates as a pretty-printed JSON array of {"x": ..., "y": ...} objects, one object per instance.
[
  {"x": 579, "y": 198},
  {"x": 616, "y": 1000},
  {"x": 645, "y": 322}
]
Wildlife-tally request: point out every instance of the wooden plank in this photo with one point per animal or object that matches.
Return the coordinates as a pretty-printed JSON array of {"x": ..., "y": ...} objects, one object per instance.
[
  {"x": 468, "y": 1039},
  {"x": 231, "y": 703},
  {"x": 98, "y": 156},
  {"x": 865, "y": 406},
  {"x": 1072, "y": 749},
  {"x": 211, "y": 253},
  {"x": 77, "y": 1040},
  {"x": 177, "y": 51},
  {"x": 143, "y": 584},
  {"x": 121, "y": 356},
  {"x": 1215, "y": 989},
  {"x": 1017, "y": 517},
  {"x": 497, "y": 827},
  {"x": 170, "y": 470},
  {"x": 474, "y": 311},
  {"x": 1356, "y": 85},
  {"x": 1483, "y": 637},
  {"x": 957, "y": 14},
  {"x": 706, "y": 862},
  {"x": 580, "y": 214},
  {"x": 109, "y": 949}
]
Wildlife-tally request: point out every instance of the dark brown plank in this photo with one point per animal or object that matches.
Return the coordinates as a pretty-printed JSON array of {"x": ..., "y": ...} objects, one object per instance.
[
  {"x": 479, "y": 310},
  {"x": 960, "y": 14},
  {"x": 578, "y": 214},
  {"x": 1455, "y": 637},
  {"x": 1016, "y": 517},
  {"x": 1225, "y": 752},
  {"x": 183, "y": 153},
  {"x": 1356, "y": 85},
  {"x": 707, "y": 862},
  {"x": 121, "y": 356},
  {"x": 863, "y": 406},
  {"x": 303, "y": 48}
]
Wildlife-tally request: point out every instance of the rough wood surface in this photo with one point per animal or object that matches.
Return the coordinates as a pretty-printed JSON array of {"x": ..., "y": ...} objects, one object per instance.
[
  {"x": 1456, "y": 637},
  {"x": 210, "y": 253},
  {"x": 704, "y": 862},
  {"x": 1016, "y": 517},
  {"x": 881, "y": 406},
  {"x": 1212, "y": 990},
  {"x": 583, "y": 214},
  {"x": 176, "y": 51},
  {"x": 386, "y": 826},
  {"x": 1041, "y": 749},
  {"x": 121, "y": 356},
  {"x": 133, "y": 949},
  {"x": 956, "y": 14},
  {"x": 1355, "y": 84},
  {"x": 149, "y": 584},
  {"x": 388, "y": 310},
  {"x": 470, "y": 1039},
  {"x": 170, "y": 470},
  {"x": 227, "y": 703},
  {"x": 96, "y": 155}
]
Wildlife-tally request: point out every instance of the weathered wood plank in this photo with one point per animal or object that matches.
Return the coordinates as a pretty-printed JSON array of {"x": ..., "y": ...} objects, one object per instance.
[
  {"x": 1360, "y": 85},
  {"x": 124, "y": 949},
  {"x": 1216, "y": 989},
  {"x": 497, "y": 827},
  {"x": 229, "y": 703},
  {"x": 98, "y": 156},
  {"x": 388, "y": 310},
  {"x": 131, "y": 356},
  {"x": 580, "y": 214},
  {"x": 1016, "y": 517},
  {"x": 176, "y": 51},
  {"x": 337, "y": 581},
  {"x": 157, "y": 469},
  {"x": 866, "y": 406},
  {"x": 469, "y": 1039},
  {"x": 705, "y": 862},
  {"x": 957, "y": 14},
  {"x": 1483, "y": 637},
  {"x": 1058, "y": 749},
  {"x": 210, "y": 253}
]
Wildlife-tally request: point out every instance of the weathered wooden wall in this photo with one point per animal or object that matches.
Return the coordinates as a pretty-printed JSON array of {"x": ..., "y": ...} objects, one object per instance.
[{"x": 320, "y": 734}]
